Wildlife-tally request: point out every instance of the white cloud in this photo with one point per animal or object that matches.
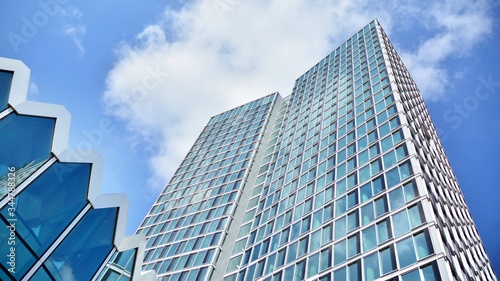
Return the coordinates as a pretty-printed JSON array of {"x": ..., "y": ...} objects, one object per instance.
[
  {"x": 456, "y": 27},
  {"x": 195, "y": 63},
  {"x": 74, "y": 26}
]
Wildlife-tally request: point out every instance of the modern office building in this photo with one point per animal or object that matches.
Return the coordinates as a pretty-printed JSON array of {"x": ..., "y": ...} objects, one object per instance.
[
  {"x": 344, "y": 179},
  {"x": 54, "y": 222}
]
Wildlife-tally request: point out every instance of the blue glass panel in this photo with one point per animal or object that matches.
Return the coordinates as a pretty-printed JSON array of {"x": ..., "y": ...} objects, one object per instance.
[
  {"x": 42, "y": 275},
  {"x": 369, "y": 238},
  {"x": 12, "y": 249},
  {"x": 401, "y": 223},
  {"x": 299, "y": 271},
  {"x": 3, "y": 274},
  {"x": 340, "y": 274},
  {"x": 392, "y": 177},
  {"x": 416, "y": 216},
  {"x": 25, "y": 142},
  {"x": 47, "y": 206},
  {"x": 424, "y": 245},
  {"x": 5, "y": 82},
  {"x": 326, "y": 259},
  {"x": 371, "y": 267},
  {"x": 387, "y": 260},
  {"x": 125, "y": 259},
  {"x": 339, "y": 252},
  {"x": 86, "y": 247},
  {"x": 312, "y": 265},
  {"x": 406, "y": 252},
  {"x": 355, "y": 272},
  {"x": 411, "y": 276},
  {"x": 289, "y": 273},
  {"x": 431, "y": 272},
  {"x": 110, "y": 275}
]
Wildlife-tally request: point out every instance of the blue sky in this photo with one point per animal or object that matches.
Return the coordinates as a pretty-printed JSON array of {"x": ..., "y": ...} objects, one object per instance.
[{"x": 157, "y": 72}]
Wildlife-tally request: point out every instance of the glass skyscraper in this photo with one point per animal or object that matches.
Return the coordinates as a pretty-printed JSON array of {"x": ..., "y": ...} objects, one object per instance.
[{"x": 344, "y": 179}]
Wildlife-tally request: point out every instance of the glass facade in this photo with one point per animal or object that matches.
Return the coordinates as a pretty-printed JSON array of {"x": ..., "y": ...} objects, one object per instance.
[
  {"x": 17, "y": 133},
  {"x": 187, "y": 225},
  {"x": 120, "y": 266},
  {"x": 49, "y": 228},
  {"x": 351, "y": 184}
]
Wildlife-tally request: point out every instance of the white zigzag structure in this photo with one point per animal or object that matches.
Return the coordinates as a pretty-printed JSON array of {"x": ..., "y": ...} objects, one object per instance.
[{"x": 60, "y": 151}]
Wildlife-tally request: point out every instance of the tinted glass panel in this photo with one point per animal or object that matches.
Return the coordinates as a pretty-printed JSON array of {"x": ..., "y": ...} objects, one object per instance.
[
  {"x": 50, "y": 203},
  {"x": 369, "y": 238},
  {"x": 387, "y": 260},
  {"x": 424, "y": 246},
  {"x": 42, "y": 275},
  {"x": 339, "y": 254},
  {"x": 85, "y": 248},
  {"x": 3, "y": 275},
  {"x": 406, "y": 252},
  {"x": 340, "y": 274},
  {"x": 25, "y": 142},
  {"x": 24, "y": 260},
  {"x": 126, "y": 259},
  {"x": 5, "y": 82},
  {"x": 371, "y": 267},
  {"x": 431, "y": 273},
  {"x": 401, "y": 223},
  {"x": 412, "y": 276}
]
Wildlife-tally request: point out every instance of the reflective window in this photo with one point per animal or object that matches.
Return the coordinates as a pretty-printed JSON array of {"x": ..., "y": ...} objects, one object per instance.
[
  {"x": 339, "y": 252},
  {"x": 352, "y": 221},
  {"x": 411, "y": 276},
  {"x": 340, "y": 274},
  {"x": 340, "y": 227},
  {"x": 85, "y": 248},
  {"x": 24, "y": 258},
  {"x": 406, "y": 252},
  {"x": 416, "y": 216},
  {"x": 312, "y": 265},
  {"x": 5, "y": 82},
  {"x": 387, "y": 260},
  {"x": 383, "y": 231},
  {"x": 371, "y": 267},
  {"x": 381, "y": 206},
  {"x": 26, "y": 142},
  {"x": 401, "y": 223},
  {"x": 392, "y": 177},
  {"x": 369, "y": 238},
  {"x": 367, "y": 213},
  {"x": 353, "y": 246},
  {"x": 50, "y": 203},
  {"x": 365, "y": 192},
  {"x": 431, "y": 272},
  {"x": 396, "y": 198},
  {"x": 423, "y": 244},
  {"x": 326, "y": 259},
  {"x": 315, "y": 240}
]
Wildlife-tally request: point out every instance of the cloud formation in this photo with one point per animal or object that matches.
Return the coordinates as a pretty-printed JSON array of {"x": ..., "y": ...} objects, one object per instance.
[
  {"x": 454, "y": 28},
  {"x": 210, "y": 56},
  {"x": 74, "y": 26}
]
